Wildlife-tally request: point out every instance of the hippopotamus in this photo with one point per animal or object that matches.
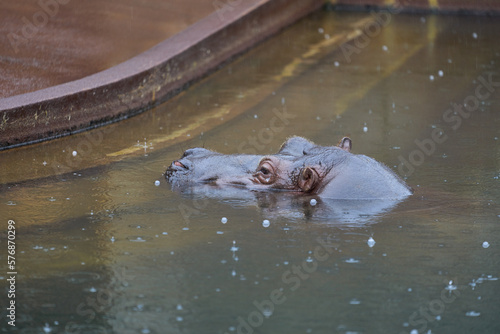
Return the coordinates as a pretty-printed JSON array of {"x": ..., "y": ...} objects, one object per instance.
[{"x": 300, "y": 166}]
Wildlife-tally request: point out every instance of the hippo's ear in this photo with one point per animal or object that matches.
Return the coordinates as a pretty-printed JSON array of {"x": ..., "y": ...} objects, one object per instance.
[
  {"x": 308, "y": 179},
  {"x": 345, "y": 144}
]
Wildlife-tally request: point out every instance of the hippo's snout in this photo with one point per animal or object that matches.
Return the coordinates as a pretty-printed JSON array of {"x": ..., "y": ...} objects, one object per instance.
[{"x": 180, "y": 166}]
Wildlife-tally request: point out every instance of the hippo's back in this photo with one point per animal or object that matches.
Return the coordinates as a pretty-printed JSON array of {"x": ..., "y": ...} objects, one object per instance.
[{"x": 361, "y": 177}]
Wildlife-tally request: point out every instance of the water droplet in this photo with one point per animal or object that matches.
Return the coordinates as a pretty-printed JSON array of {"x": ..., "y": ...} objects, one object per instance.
[
  {"x": 313, "y": 202},
  {"x": 474, "y": 35},
  {"x": 74, "y": 153},
  {"x": 450, "y": 286},
  {"x": 385, "y": 48},
  {"x": 137, "y": 239},
  {"x": 365, "y": 129},
  {"x": 223, "y": 220},
  {"x": 336, "y": 64},
  {"x": 354, "y": 302},
  {"x": 266, "y": 223},
  {"x": 431, "y": 77},
  {"x": 351, "y": 260},
  {"x": 234, "y": 248},
  {"x": 47, "y": 328},
  {"x": 472, "y": 314},
  {"x": 157, "y": 183},
  {"x": 486, "y": 244},
  {"x": 179, "y": 307},
  {"x": 267, "y": 312},
  {"x": 321, "y": 30},
  {"x": 371, "y": 242},
  {"x": 440, "y": 73}
]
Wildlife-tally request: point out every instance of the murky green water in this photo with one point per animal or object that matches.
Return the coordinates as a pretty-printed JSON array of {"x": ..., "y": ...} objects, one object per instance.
[{"x": 101, "y": 249}]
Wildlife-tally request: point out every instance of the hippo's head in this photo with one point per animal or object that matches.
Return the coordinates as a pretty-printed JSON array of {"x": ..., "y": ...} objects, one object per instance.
[{"x": 299, "y": 166}]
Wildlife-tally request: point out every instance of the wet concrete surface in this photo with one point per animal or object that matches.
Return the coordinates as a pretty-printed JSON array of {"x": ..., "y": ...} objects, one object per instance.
[{"x": 47, "y": 45}]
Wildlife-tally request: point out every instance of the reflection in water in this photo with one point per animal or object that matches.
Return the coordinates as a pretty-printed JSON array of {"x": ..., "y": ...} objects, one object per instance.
[
  {"x": 292, "y": 206},
  {"x": 105, "y": 250}
]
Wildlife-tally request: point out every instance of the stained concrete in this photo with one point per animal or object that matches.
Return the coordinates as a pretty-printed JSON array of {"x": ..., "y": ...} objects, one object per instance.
[{"x": 47, "y": 43}]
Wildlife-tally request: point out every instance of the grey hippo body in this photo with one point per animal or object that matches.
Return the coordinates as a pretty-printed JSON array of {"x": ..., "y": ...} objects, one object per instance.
[{"x": 300, "y": 166}]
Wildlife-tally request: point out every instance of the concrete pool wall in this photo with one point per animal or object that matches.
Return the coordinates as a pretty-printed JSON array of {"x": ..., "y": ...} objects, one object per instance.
[{"x": 149, "y": 78}]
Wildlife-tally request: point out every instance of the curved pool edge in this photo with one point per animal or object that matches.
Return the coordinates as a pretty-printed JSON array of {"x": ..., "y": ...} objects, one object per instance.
[{"x": 148, "y": 79}]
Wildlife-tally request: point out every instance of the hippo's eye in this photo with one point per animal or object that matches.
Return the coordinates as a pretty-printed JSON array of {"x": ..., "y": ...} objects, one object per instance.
[
  {"x": 264, "y": 170},
  {"x": 265, "y": 173}
]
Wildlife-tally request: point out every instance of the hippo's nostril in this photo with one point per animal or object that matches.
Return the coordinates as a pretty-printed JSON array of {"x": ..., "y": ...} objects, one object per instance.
[{"x": 180, "y": 164}]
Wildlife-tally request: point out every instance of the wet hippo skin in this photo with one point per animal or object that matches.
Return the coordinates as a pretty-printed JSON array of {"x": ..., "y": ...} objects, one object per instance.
[{"x": 300, "y": 166}]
